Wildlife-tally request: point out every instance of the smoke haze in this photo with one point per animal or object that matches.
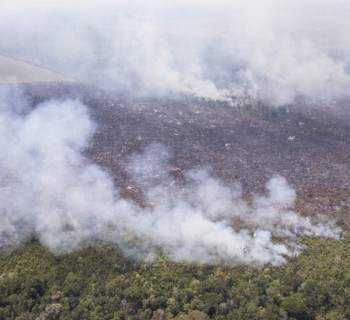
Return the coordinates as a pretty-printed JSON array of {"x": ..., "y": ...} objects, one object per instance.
[
  {"x": 238, "y": 51},
  {"x": 50, "y": 191}
]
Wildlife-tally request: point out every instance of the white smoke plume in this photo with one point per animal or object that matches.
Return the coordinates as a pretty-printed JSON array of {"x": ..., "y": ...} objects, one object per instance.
[
  {"x": 235, "y": 51},
  {"x": 50, "y": 191}
]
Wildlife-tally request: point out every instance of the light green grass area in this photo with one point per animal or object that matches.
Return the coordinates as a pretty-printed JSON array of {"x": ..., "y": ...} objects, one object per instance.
[{"x": 15, "y": 71}]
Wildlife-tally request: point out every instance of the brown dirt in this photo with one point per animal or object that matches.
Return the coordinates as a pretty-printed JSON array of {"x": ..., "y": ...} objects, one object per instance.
[{"x": 307, "y": 144}]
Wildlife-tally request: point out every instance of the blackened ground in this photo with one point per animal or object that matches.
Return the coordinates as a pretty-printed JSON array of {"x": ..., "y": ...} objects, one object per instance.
[{"x": 307, "y": 144}]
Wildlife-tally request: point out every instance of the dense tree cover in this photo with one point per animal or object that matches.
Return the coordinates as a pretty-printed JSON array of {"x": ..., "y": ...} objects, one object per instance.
[{"x": 98, "y": 282}]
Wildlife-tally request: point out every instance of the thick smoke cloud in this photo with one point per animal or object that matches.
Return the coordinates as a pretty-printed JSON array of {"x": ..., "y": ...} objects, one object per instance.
[
  {"x": 50, "y": 191},
  {"x": 234, "y": 51},
  {"x": 239, "y": 53}
]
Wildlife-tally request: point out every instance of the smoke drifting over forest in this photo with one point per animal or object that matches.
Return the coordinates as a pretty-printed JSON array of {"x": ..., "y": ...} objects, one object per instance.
[
  {"x": 235, "y": 51},
  {"x": 238, "y": 53},
  {"x": 50, "y": 191}
]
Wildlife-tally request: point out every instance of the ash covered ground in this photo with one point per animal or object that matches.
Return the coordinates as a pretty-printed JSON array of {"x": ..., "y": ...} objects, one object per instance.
[{"x": 307, "y": 144}]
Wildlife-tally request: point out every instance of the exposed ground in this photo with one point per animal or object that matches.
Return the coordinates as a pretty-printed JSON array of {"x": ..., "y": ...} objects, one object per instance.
[{"x": 307, "y": 144}]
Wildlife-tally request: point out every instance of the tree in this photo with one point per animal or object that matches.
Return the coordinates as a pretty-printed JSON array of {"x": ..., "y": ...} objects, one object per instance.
[{"x": 295, "y": 307}]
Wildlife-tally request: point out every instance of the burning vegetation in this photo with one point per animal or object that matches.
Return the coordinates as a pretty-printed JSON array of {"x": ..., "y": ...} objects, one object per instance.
[{"x": 180, "y": 175}]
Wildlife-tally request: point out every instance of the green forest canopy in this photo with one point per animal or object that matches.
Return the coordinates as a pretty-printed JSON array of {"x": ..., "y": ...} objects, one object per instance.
[{"x": 99, "y": 282}]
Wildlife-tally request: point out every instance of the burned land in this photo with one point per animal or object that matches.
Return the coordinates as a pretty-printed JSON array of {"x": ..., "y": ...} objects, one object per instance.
[{"x": 308, "y": 144}]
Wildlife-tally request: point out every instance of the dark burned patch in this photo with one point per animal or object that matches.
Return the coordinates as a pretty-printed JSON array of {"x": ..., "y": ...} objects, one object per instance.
[{"x": 309, "y": 146}]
